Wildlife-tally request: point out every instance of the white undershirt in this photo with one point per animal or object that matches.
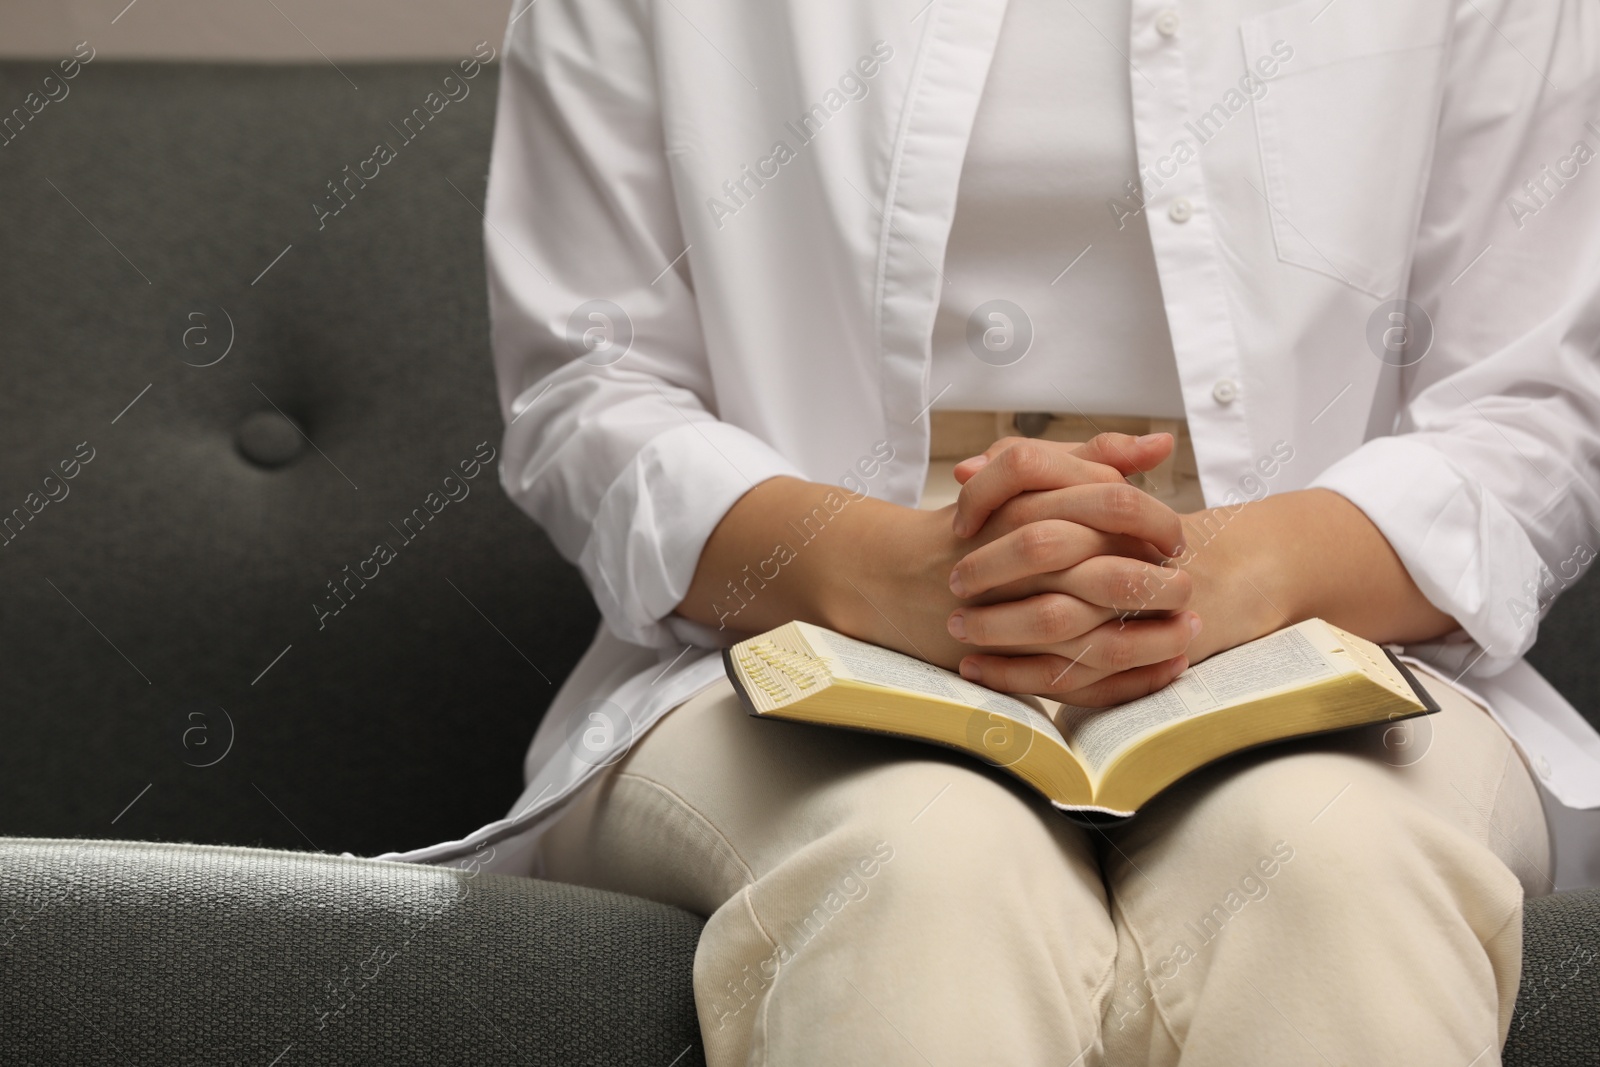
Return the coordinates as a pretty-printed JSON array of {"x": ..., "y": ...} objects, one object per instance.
[{"x": 1052, "y": 147}]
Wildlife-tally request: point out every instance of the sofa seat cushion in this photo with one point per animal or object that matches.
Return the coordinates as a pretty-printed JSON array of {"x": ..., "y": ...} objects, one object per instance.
[{"x": 131, "y": 952}]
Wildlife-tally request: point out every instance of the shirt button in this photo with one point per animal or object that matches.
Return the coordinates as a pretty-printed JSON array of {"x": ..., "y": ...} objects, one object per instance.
[
  {"x": 1181, "y": 210},
  {"x": 1167, "y": 22},
  {"x": 1542, "y": 765},
  {"x": 1226, "y": 391}
]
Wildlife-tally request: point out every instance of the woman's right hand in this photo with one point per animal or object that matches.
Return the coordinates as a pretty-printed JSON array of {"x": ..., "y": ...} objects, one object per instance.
[{"x": 881, "y": 572}]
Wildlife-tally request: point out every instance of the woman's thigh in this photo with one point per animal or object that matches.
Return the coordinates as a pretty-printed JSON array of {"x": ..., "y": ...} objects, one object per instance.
[
  {"x": 1374, "y": 874},
  {"x": 893, "y": 889},
  {"x": 712, "y": 799}
]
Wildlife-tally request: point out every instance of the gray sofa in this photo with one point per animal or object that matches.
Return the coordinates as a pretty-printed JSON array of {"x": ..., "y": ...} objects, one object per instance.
[{"x": 197, "y": 723}]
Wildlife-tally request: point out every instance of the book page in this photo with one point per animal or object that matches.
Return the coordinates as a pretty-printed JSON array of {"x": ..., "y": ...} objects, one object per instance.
[
  {"x": 881, "y": 666},
  {"x": 1285, "y": 658}
]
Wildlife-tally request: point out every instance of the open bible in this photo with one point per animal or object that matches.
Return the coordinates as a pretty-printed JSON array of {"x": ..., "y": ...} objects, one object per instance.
[{"x": 1095, "y": 763}]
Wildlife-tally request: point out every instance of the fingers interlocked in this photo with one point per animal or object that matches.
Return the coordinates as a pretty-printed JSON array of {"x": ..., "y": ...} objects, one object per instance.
[{"x": 1061, "y": 595}]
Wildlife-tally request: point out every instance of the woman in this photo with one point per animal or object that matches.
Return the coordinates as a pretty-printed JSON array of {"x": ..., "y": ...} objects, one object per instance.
[{"x": 762, "y": 274}]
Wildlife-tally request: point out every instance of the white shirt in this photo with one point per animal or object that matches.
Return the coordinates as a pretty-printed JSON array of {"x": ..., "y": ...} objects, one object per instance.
[
  {"x": 768, "y": 190},
  {"x": 1051, "y": 299}
]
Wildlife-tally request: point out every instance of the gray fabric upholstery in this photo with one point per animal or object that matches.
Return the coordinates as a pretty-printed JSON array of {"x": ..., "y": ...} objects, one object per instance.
[
  {"x": 1557, "y": 1023},
  {"x": 124, "y": 953},
  {"x": 120, "y": 952},
  {"x": 160, "y": 614},
  {"x": 401, "y": 721},
  {"x": 1568, "y": 650}
]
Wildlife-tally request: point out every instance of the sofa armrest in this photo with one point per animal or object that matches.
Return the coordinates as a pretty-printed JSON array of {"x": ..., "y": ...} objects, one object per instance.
[
  {"x": 131, "y": 953},
  {"x": 1557, "y": 1021}
]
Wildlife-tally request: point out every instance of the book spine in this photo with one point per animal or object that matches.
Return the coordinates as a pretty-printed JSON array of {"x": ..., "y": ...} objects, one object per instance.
[
  {"x": 1422, "y": 695},
  {"x": 736, "y": 679}
]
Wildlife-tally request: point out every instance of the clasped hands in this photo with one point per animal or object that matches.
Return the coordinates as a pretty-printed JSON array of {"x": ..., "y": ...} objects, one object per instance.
[
  {"x": 1050, "y": 575},
  {"x": 1086, "y": 571}
]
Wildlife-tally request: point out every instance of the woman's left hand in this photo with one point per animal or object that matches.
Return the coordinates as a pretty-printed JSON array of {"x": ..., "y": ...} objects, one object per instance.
[{"x": 1246, "y": 569}]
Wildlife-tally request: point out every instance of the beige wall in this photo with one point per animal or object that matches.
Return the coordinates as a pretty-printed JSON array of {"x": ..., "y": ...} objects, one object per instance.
[{"x": 276, "y": 30}]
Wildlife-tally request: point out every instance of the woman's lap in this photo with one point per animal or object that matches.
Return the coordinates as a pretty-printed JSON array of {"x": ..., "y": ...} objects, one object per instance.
[{"x": 908, "y": 895}]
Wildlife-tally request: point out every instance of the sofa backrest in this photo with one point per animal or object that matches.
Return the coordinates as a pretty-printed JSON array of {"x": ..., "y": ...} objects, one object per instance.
[{"x": 168, "y": 602}]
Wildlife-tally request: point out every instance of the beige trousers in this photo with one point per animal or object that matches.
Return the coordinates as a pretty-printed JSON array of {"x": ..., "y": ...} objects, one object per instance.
[{"x": 1353, "y": 899}]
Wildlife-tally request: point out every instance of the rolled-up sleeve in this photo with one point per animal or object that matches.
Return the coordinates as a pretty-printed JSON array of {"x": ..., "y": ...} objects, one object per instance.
[
  {"x": 1489, "y": 488},
  {"x": 613, "y": 446}
]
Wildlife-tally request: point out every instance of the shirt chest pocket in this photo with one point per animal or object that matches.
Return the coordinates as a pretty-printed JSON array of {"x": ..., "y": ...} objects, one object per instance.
[{"x": 1346, "y": 130}]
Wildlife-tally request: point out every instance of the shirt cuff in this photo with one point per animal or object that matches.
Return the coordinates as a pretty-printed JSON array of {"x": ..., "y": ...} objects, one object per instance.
[
  {"x": 1468, "y": 555},
  {"x": 656, "y": 516}
]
